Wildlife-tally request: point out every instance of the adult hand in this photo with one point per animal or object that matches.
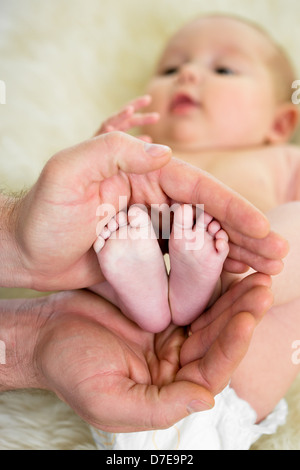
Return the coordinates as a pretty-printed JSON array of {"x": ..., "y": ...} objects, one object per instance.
[
  {"x": 54, "y": 225},
  {"x": 118, "y": 377}
]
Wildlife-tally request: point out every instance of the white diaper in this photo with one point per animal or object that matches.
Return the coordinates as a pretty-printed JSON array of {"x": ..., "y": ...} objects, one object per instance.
[{"x": 230, "y": 425}]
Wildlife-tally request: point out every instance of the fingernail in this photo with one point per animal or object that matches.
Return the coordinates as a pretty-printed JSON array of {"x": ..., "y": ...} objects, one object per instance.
[
  {"x": 197, "y": 405},
  {"x": 156, "y": 150}
]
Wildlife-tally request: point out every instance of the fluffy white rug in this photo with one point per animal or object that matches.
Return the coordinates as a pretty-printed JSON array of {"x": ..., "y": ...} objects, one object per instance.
[{"x": 66, "y": 65}]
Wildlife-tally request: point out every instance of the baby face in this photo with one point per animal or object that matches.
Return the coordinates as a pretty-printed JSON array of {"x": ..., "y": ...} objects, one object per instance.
[{"x": 213, "y": 87}]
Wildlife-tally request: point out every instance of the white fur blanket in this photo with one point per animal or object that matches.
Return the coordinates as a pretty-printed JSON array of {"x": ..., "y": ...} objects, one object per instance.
[{"x": 66, "y": 65}]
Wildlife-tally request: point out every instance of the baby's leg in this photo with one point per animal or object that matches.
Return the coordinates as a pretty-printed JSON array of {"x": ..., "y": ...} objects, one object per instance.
[
  {"x": 134, "y": 268},
  {"x": 197, "y": 254},
  {"x": 269, "y": 367}
]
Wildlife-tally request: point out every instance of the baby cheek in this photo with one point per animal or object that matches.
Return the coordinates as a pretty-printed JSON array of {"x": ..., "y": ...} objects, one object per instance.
[
  {"x": 244, "y": 103},
  {"x": 259, "y": 109},
  {"x": 221, "y": 98},
  {"x": 160, "y": 89},
  {"x": 241, "y": 117}
]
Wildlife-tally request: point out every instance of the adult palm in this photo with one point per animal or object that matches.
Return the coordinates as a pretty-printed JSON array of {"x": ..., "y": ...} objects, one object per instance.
[{"x": 120, "y": 378}]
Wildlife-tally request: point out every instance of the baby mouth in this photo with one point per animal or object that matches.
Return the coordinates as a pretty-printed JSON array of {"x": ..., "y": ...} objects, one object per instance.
[{"x": 183, "y": 103}]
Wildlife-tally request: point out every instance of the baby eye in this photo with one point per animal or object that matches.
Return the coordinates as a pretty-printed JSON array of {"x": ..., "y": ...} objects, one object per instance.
[
  {"x": 224, "y": 71},
  {"x": 170, "y": 71}
]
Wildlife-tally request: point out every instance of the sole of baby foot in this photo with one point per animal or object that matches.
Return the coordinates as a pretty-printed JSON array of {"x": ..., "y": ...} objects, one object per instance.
[
  {"x": 197, "y": 252},
  {"x": 133, "y": 265}
]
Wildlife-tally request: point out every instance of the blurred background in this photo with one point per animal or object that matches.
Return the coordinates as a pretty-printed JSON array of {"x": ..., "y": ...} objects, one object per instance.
[{"x": 68, "y": 64}]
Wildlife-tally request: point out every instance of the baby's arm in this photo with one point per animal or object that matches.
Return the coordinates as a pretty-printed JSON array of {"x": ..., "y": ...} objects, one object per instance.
[{"x": 129, "y": 118}]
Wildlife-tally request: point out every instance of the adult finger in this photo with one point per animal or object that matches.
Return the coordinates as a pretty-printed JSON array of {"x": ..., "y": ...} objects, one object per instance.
[
  {"x": 161, "y": 407},
  {"x": 105, "y": 155},
  {"x": 243, "y": 247},
  {"x": 230, "y": 299},
  {"x": 199, "y": 187},
  {"x": 214, "y": 370},
  {"x": 199, "y": 343},
  {"x": 246, "y": 226}
]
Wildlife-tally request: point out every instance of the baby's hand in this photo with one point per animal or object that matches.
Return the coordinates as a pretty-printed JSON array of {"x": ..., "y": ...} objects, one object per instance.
[{"x": 128, "y": 118}]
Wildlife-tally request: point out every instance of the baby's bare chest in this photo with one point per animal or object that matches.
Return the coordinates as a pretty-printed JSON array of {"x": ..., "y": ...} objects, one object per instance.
[
  {"x": 261, "y": 179},
  {"x": 252, "y": 179}
]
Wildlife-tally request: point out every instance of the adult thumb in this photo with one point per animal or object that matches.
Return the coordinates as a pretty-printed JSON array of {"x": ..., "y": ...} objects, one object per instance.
[
  {"x": 141, "y": 407},
  {"x": 120, "y": 151},
  {"x": 102, "y": 157}
]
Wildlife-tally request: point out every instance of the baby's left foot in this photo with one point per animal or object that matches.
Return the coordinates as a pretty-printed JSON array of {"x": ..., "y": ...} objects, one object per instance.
[{"x": 197, "y": 254}]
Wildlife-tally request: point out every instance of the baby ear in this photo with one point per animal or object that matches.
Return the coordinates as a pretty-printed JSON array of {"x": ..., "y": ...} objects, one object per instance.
[{"x": 284, "y": 124}]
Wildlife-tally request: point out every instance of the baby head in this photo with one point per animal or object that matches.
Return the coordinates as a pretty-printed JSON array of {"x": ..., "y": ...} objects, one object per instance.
[{"x": 222, "y": 83}]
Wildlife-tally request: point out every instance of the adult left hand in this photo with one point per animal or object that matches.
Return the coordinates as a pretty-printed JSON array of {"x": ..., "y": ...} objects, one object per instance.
[
  {"x": 52, "y": 228},
  {"x": 120, "y": 378}
]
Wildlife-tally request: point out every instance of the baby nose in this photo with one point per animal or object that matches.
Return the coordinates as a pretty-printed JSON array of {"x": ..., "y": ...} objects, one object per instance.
[{"x": 190, "y": 73}]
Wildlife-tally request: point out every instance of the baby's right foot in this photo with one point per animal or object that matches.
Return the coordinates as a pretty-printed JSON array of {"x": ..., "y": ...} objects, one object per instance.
[
  {"x": 133, "y": 265},
  {"x": 197, "y": 254}
]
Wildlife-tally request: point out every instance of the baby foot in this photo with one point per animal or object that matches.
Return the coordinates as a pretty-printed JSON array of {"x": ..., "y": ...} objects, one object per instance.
[
  {"x": 133, "y": 265},
  {"x": 197, "y": 254}
]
